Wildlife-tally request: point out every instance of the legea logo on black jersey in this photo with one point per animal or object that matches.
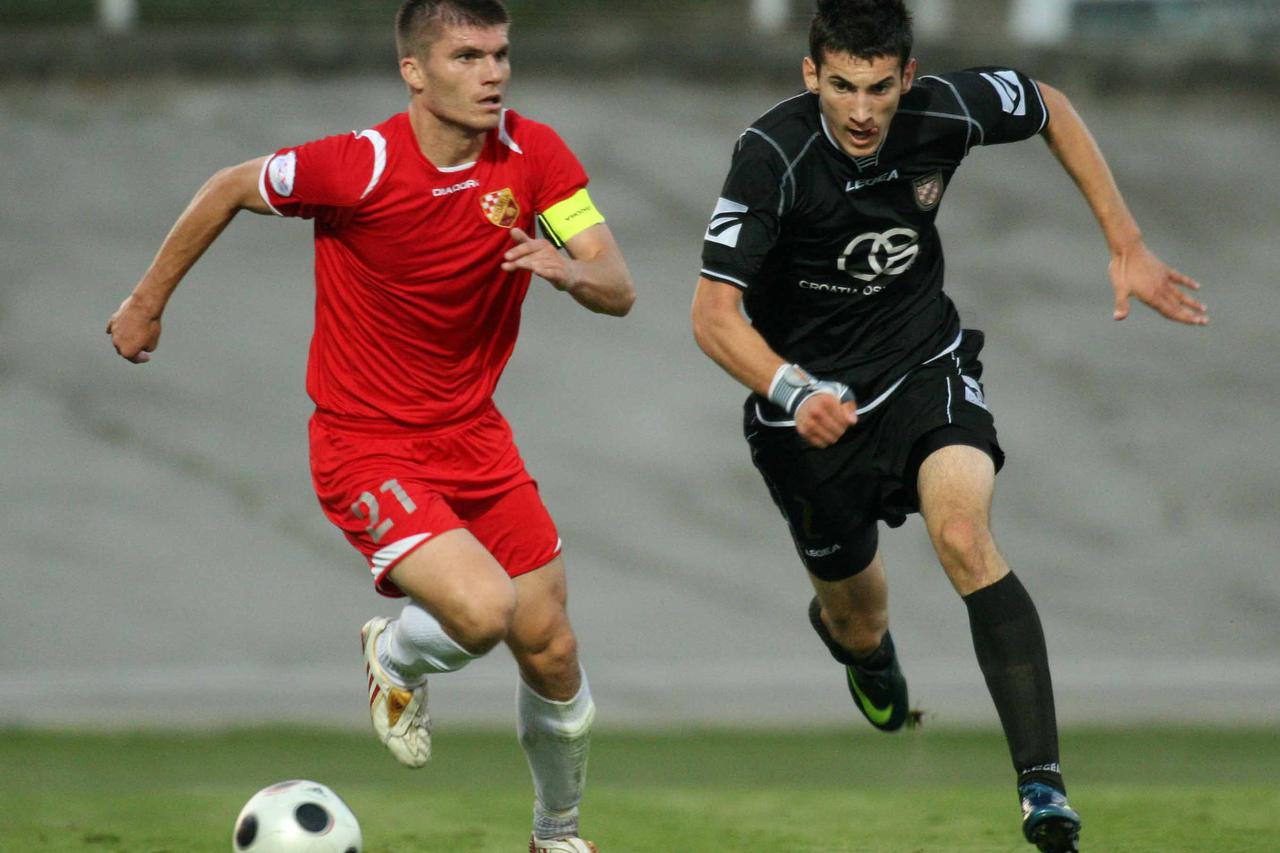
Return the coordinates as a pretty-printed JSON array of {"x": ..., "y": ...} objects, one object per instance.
[
  {"x": 854, "y": 186},
  {"x": 879, "y": 253},
  {"x": 726, "y": 223}
]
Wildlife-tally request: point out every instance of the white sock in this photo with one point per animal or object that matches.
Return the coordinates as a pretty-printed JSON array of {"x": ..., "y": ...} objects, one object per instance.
[
  {"x": 556, "y": 737},
  {"x": 415, "y": 645}
]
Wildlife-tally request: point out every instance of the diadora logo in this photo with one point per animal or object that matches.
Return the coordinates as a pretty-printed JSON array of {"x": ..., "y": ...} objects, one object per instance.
[
  {"x": 465, "y": 185},
  {"x": 726, "y": 223},
  {"x": 874, "y": 254},
  {"x": 1013, "y": 97},
  {"x": 854, "y": 186}
]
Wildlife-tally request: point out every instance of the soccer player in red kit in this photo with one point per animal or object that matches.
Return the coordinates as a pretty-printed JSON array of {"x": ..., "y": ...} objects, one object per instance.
[{"x": 424, "y": 253}]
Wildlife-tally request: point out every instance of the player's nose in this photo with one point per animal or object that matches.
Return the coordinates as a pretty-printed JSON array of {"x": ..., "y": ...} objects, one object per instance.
[
  {"x": 861, "y": 112},
  {"x": 495, "y": 70}
]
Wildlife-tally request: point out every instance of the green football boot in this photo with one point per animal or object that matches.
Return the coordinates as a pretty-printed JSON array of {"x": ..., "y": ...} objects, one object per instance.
[{"x": 880, "y": 694}]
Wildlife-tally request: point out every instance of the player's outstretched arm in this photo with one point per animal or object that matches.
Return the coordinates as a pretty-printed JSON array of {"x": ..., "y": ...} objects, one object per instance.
[
  {"x": 1135, "y": 270},
  {"x": 594, "y": 273},
  {"x": 730, "y": 341},
  {"x": 135, "y": 326}
]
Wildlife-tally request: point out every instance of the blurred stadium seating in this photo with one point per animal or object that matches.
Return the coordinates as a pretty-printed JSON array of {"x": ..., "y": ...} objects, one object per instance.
[
  {"x": 1255, "y": 21},
  {"x": 1179, "y": 45}
]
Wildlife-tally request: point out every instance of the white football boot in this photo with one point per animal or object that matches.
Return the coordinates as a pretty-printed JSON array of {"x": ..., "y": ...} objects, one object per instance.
[
  {"x": 561, "y": 845},
  {"x": 399, "y": 714}
]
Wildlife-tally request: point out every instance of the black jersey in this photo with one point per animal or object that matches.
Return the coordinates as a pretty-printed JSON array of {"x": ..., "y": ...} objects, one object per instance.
[{"x": 838, "y": 256}]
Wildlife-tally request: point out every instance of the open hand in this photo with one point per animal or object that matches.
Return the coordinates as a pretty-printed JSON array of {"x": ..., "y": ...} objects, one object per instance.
[
  {"x": 1137, "y": 272},
  {"x": 540, "y": 258}
]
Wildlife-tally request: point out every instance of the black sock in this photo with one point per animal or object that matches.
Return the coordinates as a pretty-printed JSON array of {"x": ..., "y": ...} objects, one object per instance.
[{"x": 1010, "y": 645}]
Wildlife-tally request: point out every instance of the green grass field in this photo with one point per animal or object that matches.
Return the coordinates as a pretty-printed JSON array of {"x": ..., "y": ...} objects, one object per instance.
[{"x": 1155, "y": 789}]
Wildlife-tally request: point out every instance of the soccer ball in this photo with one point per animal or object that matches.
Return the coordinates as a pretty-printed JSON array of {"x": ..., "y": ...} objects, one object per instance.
[{"x": 296, "y": 817}]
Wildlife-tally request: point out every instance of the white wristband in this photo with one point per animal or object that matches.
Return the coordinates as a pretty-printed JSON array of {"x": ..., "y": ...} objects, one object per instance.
[
  {"x": 789, "y": 382},
  {"x": 792, "y": 385}
]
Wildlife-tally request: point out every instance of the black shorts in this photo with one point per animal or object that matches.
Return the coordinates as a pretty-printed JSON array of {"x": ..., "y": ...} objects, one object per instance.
[{"x": 834, "y": 497}]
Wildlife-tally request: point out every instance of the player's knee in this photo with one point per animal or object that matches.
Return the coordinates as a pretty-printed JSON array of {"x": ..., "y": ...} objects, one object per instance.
[
  {"x": 485, "y": 621},
  {"x": 962, "y": 543},
  {"x": 554, "y": 655}
]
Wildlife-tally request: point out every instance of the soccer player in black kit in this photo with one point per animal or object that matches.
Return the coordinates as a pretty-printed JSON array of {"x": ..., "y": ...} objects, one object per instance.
[{"x": 867, "y": 403}]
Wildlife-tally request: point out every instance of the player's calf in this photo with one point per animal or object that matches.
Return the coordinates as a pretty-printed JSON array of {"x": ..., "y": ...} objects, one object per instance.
[
  {"x": 861, "y": 634},
  {"x": 556, "y": 738},
  {"x": 875, "y": 681}
]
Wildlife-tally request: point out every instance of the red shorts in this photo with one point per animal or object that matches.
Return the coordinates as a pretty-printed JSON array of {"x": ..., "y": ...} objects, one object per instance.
[{"x": 389, "y": 490}]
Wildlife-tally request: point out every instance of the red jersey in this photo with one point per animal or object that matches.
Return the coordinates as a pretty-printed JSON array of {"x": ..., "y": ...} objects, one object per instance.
[{"x": 415, "y": 318}]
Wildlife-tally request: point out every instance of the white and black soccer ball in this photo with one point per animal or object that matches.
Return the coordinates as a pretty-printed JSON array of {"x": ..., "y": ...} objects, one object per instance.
[{"x": 298, "y": 816}]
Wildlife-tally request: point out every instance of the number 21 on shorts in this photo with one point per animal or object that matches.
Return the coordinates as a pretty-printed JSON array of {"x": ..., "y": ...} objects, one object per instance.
[{"x": 366, "y": 509}]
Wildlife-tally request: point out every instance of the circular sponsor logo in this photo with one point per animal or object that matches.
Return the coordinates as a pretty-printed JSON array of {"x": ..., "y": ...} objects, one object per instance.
[{"x": 874, "y": 254}]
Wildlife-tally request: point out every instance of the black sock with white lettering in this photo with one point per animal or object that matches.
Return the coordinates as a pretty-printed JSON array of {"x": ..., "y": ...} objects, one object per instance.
[{"x": 1009, "y": 641}]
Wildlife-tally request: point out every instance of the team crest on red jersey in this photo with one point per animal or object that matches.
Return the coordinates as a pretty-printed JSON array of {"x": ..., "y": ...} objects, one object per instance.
[
  {"x": 928, "y": 191},
  {"x": 501, "y": 208}
]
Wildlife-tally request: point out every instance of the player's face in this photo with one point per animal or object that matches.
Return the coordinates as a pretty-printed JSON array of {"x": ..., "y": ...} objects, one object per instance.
[
  {"x": 462, "y": 76},
  {"x": 859, "y": 97}
]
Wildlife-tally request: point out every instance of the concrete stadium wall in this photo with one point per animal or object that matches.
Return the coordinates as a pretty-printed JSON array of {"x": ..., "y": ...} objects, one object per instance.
[{"x": 163, "y": 561}]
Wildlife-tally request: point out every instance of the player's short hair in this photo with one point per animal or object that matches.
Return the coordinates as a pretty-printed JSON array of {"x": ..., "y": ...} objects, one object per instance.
[
  {"x": 865, "y": 29},
  {"x": 419, "y": 22}
]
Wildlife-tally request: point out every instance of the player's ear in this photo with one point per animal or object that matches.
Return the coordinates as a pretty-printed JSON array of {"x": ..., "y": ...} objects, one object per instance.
[
  {"x": 810, "y": 70},
  {"x": 411, "y": 73},
  {"x": 908, "y": 75}
]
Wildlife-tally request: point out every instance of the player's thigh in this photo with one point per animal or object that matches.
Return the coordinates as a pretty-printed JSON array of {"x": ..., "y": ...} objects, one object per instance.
[
  {"x": 956, "y": 485},
  {"x": 952, "y": 451},
  {"x": 956, "y": 480},
  {"x": 377, "y": 490},
  {"x": 460, "y": 583},
  {"x": 371, "y": 488},
  {"x": 516, "y": 528},
  {"x": 939, "y": 405}
]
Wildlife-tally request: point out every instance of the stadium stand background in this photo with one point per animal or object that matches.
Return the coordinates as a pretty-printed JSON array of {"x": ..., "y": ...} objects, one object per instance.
[
  {"x": 1149, "y": 43},
  {"x": 162, "y": 560}
]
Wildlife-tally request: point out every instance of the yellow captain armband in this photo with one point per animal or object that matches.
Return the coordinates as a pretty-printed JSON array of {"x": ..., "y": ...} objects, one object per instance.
[{"x": 565, "y": 219}]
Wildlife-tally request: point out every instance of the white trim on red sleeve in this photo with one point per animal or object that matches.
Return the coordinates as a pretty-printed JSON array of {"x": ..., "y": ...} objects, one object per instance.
[
  {"x": 504, "y": 137},
  {"x": 262, "y": 185},
  {"x": 379, "y": 157}
]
